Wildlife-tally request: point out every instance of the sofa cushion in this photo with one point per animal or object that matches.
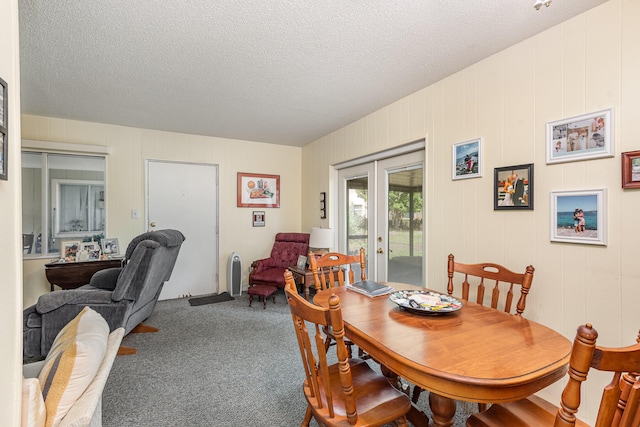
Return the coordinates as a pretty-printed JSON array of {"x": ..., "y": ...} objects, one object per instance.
[
  {"x": 72, "y": 363},
  {"x": 33, "y": 410}
]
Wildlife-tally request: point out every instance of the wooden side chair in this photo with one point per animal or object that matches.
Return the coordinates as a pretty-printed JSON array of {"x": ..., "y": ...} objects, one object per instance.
[
  {"x": 620, "y": 404},
  {"x": 501, "y": 282},
  {"x": 347, "y": 392},
  {"x": 329, "y": 271},
  {"x": 498, "y": 277}
]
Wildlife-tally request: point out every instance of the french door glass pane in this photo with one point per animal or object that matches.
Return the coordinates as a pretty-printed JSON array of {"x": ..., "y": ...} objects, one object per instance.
[
  {"x": 405, "y": 226},
  {"x": 357, "y": 211}
]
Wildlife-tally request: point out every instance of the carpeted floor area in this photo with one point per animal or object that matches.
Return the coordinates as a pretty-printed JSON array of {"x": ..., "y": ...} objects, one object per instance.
[{"x": 223, "y": 364}]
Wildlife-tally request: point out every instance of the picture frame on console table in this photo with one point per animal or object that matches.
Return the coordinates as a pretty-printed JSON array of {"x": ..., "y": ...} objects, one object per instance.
[
  {"x": 69, "y": 249},
  {"x": 258, "y": 190},
  {"x": 110, "y": 247}
]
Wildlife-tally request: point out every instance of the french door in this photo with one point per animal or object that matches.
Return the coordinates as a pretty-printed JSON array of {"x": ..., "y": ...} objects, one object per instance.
[{"x": 380, "y": 209}]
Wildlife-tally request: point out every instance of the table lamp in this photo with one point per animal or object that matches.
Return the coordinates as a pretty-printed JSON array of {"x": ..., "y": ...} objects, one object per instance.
[{"x": 320, "y": 240}]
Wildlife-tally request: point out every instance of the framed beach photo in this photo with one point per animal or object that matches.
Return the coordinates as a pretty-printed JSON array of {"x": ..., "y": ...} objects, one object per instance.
[
  {"x": 258, "y": 190},
  {"x": 110, "y": 247},
  {"x": 69, "y": 249},
  {"x": 513, "y": 187},
  {"x": 631, "y": 169},
  {"x": 579, "y": 217},
  {"x": 589, "y": 136},
  {"x": 467, "y": 159}
]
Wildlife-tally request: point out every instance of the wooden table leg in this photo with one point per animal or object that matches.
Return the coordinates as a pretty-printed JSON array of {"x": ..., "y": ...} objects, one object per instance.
[{"x": 443, "y": 410}]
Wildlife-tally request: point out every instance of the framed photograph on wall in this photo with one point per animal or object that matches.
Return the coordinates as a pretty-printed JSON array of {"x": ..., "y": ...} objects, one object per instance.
[
  {"x": 579, "y": 217},
  {"x": 258, "y": 219},
  {"x": 631, "y": 169},
  {"x": 589, "y": 136},
  {"x": 69, "y": 249},
  {"x": 4, "y": 124},
  {"x": 258, "y": 190},
  {"x": 467, "y": 159},
  {"x": 110, "y": 247},
  {"x": 513, "y": 187}
]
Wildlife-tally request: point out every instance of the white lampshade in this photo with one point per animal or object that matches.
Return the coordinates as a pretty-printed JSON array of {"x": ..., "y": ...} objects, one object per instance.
[{"x": 321, "y": 238}]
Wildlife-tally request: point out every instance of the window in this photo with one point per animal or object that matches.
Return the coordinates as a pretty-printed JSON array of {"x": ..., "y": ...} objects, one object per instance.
[{"x": 63, "y": 196}]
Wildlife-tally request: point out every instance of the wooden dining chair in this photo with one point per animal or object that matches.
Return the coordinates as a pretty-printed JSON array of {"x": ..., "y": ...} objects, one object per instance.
[
  {"x": 620, "y": 403},
  {"x": 347, "y": 392},
  {"x": 500, "y": 279},
  {"x": 501, "y": 282},
  {"x": 329, "y": 271}
]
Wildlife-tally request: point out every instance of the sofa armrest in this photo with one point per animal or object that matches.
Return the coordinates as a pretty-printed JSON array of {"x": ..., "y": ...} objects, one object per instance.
[
  {"x": 31, "y": 370},
  {"x": 56, "y": 299},
  {"x": 260, "y": 265},
  {"x": 106, "y": 279}
]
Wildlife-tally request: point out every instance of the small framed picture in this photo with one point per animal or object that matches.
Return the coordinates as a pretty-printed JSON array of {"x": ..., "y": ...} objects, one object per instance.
[
  {"x": 302, "y": 261},
  {"x": 92, "y": 249},
  {"x": 579, "y": 217},
  {"x": 69, "y": 249},
  {"x": 513, "y": 187},
  {"x": 110, "y": 247},
  {"x": 467, "y": 159},
  {"x": 258, "y": 218},
  {"x": 631, "y": 169},
  {"x": 589, "y": 136}
]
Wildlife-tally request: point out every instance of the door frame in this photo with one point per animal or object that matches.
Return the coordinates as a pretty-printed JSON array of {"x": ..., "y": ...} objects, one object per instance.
[{"x": 372, "y": 262}]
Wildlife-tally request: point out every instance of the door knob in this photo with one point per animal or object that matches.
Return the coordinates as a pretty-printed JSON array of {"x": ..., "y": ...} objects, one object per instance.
[
  {"x": 153, "y": 224},
  {"x": 380, "y": 251}
]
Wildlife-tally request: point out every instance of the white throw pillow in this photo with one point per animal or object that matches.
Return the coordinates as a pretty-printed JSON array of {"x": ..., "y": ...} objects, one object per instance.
[{"x": 72, "y": 363}]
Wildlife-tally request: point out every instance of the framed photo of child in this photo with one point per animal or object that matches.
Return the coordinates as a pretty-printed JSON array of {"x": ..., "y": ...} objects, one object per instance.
[{"x": 467, "y": 159}]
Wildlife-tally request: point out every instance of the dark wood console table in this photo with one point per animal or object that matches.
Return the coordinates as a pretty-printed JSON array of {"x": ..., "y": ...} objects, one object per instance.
[{"x": 71, "y": 275}]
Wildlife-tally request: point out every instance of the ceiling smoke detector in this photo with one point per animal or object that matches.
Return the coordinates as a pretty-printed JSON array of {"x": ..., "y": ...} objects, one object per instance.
[{"x": 538, "y": 4}]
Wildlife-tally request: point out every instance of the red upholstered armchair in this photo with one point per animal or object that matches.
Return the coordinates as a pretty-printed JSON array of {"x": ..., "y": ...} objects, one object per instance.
[{"x": 285, "y": 251}]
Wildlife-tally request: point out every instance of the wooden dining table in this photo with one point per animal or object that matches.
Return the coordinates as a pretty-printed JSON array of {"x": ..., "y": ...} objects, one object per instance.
[{"x": 475, "y": 354}]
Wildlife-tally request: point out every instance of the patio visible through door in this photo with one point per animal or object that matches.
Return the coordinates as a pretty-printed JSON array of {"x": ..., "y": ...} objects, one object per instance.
[{"x": 381, "y": 209}]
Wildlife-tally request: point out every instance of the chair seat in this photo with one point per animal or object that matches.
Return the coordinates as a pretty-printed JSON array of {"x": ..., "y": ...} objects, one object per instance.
[
  {"x": 377, "y": 402},
  {"x": 530, "y": 412},
  {"x": 273, "y": 275}
]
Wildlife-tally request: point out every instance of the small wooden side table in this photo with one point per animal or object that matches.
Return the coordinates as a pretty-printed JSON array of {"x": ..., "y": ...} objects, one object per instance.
[
  {"x": 304, "y": 277},
  {"x": 72, "y": 275}
]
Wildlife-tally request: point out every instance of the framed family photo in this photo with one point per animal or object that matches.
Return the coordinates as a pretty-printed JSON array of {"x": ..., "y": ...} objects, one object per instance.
[
  {"x": 69, "y": 249},
  {"x": 631, "y": 169},
  {"x": 584, "y": 137},
  {"x": 110, "y": 247},
  {"x": 258, "y": 190},
  {"x": 92, "y": 249},
  {"x": 467, "y": 159},
  {"x": 579, "y": 217},
  {"x": 513, "y": 187}
]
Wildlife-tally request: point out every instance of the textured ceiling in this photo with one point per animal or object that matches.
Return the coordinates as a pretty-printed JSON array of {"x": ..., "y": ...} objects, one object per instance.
[{"x": 277, "y": 71}]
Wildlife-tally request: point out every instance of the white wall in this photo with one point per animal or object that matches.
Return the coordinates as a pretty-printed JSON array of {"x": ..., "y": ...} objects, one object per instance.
[
  {"x": 588, "y": 63},
  {"x": 129, "y": 147},
  {"x": 10, "y": 234}
]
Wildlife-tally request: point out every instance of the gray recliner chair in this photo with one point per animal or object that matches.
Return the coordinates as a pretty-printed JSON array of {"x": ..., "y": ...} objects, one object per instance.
[{"x": 125, "y": 296}]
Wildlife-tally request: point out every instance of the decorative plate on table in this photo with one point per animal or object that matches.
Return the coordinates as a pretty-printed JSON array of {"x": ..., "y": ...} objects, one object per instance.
[{"x": 425, "y": 302}]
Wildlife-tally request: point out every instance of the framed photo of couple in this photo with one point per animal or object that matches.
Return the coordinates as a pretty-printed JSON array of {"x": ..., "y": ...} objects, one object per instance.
[
  {"x": 513, "y": 187},
  {"x": 579, "y": 216}
]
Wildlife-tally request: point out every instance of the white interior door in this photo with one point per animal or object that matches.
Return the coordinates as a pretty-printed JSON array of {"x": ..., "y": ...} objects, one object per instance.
[
  {"x": 380, "y": 206},
  {"x": 184, "y": 197}
]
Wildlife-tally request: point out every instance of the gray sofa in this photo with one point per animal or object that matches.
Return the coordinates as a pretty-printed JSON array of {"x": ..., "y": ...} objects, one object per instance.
[{"x": 123, "y": 296}]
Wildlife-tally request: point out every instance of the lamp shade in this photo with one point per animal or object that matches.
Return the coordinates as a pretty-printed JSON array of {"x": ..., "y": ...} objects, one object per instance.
[{"x": 321, "y": 238}]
